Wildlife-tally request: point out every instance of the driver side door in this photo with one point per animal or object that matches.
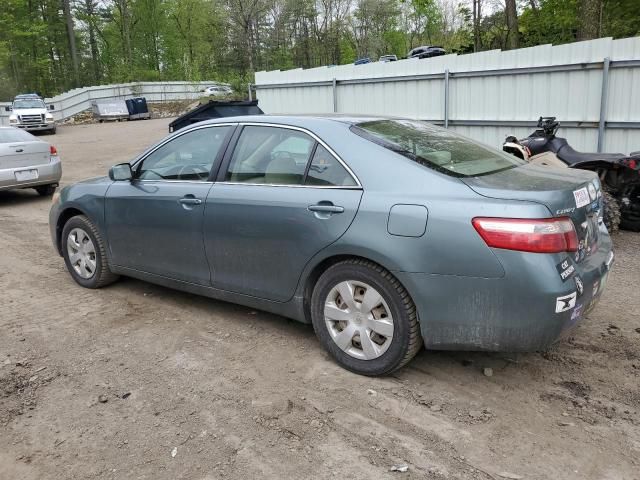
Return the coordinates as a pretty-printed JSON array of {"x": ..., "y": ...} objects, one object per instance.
[{"x": 155, "y": 221}]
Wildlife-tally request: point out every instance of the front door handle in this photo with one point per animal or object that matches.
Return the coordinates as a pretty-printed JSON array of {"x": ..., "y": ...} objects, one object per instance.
[
  {"x": 325, "y": 208},
  {"x": 190, "y": 200},
  {"x": 19, "y": 150}
]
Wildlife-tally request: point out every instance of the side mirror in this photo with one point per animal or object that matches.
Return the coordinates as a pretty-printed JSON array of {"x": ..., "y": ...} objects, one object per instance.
[
  {"x": 8, "y": 109},
  {"x": 51, "y": 107},
  {"x": 121, "y": 172}
]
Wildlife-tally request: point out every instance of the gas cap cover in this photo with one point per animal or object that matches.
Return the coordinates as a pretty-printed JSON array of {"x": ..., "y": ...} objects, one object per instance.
[{"x": 407, "y": 220}]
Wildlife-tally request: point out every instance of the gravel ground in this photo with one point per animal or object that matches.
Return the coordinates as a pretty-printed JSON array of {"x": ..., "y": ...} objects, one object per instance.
[{"x": 137, "y": 381}]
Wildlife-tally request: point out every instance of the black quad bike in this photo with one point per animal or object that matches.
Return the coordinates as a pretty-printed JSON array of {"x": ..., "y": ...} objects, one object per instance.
[{"x": 619, "y": 174}]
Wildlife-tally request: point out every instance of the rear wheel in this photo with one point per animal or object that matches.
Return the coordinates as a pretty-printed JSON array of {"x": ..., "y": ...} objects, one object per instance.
[
  {"x": 46, "y": 190},
  {"x": 365, "y": 318},
  {"x": 84, "y": 253},
  {"x": 611, "y": 212}
]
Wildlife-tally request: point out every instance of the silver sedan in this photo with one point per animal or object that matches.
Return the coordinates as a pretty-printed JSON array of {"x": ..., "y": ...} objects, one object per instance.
[{"x": 28, "y": 162}]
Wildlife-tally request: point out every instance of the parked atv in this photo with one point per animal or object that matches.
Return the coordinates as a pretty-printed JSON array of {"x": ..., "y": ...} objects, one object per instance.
[{"x": 619, "y": 174}]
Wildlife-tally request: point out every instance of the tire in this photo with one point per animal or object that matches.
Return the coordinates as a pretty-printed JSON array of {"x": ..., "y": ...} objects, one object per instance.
[
  {"x": 392, "y": 351},
  {"x": 53, "y": 131},
  {"x": 46, "y": 190},
  {"x": 611, "y": 213},
  {"x": 98, "y": 275},
  {"x": 630, "y": 223}
]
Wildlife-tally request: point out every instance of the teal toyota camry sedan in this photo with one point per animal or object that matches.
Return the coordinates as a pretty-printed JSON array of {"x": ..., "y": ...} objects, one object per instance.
[{"x": 385, "y": 234}]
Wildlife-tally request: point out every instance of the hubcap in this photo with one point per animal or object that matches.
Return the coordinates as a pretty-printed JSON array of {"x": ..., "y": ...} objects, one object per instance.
[
  {"x": 358, "y": 320},
  {"x": 82, "y": 253}
]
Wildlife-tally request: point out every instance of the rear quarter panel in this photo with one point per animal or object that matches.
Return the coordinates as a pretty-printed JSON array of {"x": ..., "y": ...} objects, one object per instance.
[{"x": 450, "y": 244}]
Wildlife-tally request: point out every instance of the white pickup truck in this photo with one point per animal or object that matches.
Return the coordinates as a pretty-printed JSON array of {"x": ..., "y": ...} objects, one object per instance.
[{"x": 29, "y": 112}]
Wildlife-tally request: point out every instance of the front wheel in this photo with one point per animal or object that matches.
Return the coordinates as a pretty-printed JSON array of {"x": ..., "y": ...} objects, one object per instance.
[
  {"x": 84, "y": 253},
  {"x": 365, "y": 318},
  {"x": 611, "y": 212}
]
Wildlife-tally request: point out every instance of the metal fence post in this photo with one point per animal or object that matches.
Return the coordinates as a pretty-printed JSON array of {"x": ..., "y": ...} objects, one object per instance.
[
  {"x": 250, "y": 92},
  {"x": 446, "y": 98},
  {"x": 603, "y": 103},
  {"x": 334, "y": 87}
]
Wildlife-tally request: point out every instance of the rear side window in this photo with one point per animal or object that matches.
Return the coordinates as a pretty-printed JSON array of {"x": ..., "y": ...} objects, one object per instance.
[
  {"x": 270, "y": 155},
  {"x": 436, "y": 148},
  {"x": 326, "y": 170}
]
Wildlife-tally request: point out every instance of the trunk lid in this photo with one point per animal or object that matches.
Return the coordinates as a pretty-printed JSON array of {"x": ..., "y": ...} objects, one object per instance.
[
  {"x": 24, "y": 154},
  {"x": 565, "y": 192}
]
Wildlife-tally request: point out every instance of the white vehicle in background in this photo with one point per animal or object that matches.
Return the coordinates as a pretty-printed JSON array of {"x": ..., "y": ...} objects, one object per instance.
[
  {"x": 218, "y": 90},
  {"x": 29, "y": 112},
  {"x": 28, "y": 162}
]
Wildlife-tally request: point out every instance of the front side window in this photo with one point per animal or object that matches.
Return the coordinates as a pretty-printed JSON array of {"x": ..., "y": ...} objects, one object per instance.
[
  {"x": 270, "y": 155},
  {"x": 187, "y": 157},
  {"x": 436, "y": 148}
]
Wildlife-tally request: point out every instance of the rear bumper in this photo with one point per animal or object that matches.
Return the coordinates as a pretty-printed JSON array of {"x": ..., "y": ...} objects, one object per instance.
[
  {"x": 514, "y": 313},
  {"x": 48, "y": 173}
]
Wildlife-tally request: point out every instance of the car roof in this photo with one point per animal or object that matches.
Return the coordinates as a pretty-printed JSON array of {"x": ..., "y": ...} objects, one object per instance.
[{"x": 302, "y": 120}]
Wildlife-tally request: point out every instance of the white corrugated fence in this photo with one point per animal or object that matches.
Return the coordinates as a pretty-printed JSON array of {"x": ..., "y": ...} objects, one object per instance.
[{"x": 592, "y": 87}]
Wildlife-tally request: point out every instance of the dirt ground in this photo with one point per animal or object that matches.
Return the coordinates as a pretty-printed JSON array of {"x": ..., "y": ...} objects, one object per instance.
[{"x": 137, "y": 381}]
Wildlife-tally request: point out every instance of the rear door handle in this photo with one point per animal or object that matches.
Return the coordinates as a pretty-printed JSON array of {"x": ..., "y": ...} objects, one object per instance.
[
  {"x": 19, "y": 150},
  {"x": 324, "y": 208}
]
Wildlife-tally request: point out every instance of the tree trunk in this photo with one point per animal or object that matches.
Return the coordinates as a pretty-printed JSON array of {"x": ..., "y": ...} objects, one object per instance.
[
  {"x": 66, "y": 8},
  {"x": 93, "y": 41},
  {"x": 513, "y": 36},
  {"x": 589, "y": 19},
  {"x": 477, "y": 14}
]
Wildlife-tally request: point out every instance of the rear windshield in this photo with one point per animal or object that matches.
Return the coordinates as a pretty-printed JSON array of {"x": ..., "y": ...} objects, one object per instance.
[
  {"x": 436, "y": 147},
  {"x": 8, "y": 135}
]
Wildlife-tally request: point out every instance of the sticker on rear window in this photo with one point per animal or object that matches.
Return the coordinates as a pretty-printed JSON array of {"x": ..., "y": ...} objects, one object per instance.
[
  {"x": 592, "y": 192},
  {"x": 582, "y": 197},
  {"x": 566, "y": 269},
  {"x": 566, "y": 303}
]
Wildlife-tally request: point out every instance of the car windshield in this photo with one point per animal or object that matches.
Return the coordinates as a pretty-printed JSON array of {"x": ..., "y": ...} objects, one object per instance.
[
  {"x": 28, "y": 103},
  {"x": 436, "y": 147},
  {"x": 10, "y": 135}
]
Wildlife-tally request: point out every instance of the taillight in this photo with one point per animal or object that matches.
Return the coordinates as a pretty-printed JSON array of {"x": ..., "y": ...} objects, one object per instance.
[
  {"x": 632, "y": 163},
  {"x": 52, "y": 150},
  {"x": 545, "y": 235}
]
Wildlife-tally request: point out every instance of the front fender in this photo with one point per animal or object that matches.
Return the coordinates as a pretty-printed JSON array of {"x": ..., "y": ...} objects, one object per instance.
[{"x": 84, "y": 198}]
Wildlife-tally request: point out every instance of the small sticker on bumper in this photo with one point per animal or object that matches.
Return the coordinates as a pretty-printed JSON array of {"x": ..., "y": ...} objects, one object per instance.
[
  {"x": 582, "y": 197},
  {"x": 579, "y": 285},
  {"x": 576, "y": 314},
  {"x": 566, "y": 303},
  {"x": 566, "y": 269}
]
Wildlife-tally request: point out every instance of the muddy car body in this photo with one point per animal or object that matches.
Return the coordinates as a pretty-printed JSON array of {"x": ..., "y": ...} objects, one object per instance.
[{"x": 385, "y": 234}]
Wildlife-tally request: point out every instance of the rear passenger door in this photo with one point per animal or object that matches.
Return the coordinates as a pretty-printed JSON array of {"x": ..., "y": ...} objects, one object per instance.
[{"x": 280, "y": 198}]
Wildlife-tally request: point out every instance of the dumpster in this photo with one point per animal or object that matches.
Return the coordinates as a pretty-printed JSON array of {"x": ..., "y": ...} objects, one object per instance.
[
  {"x": 137, "y": 108},
  {"x": 105, "y": 110},
  {"x": 216, "y": 109}
]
